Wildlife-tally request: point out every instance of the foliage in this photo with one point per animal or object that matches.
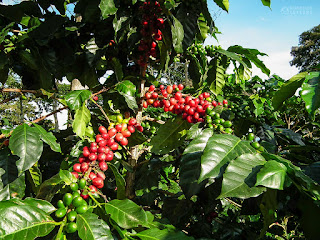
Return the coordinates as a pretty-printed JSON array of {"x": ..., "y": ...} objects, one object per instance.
[
  {"x": 134, "y": 161},
  {"x": 306, "y": 54}
]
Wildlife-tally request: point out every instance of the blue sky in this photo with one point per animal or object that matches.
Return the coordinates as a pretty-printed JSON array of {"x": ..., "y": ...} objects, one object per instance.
[{"x": 273, "y": 31}]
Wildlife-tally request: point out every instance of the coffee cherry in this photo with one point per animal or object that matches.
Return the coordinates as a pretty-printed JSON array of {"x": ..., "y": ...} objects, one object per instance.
[
  {"x": 60, "y": 204},
  {"x": 98, "y": 182},
  {"x": 71, "y": 227},
  {"x": 92, "y": 188},
  {"x": 101, "y": 175},
  {"x": 250, "y": 137},
  {"x": 124, "y": 142},
  {"x": 78, "y": 201},
  {"x": 96, "y": 98},
  {"x": 112, "y": 132},
  {"x": 72, "y": 216},
  {"x": 82, "y": 183},
  {"x": 84, "y": 166},
  {"x": 75, "y": 174},
  {"x": 132, "y": 122},
  {"x": 83, "y": 208},
  {"x": 103, "y": 166},
  {"x": 61, "y": 212},
  {"x": 92, "y": 175},
  {"x": 255, "y": 145},
  {"x": 102, "y": 130},
  {"x": 119, "y": 137},
  {"x": 131, "y": 129},
  {"x": 77, "y": 167},
  {"x": 67, "y": 199},
  {"x": 152, "y": 87},
  {"x": 74, "y": 187}
]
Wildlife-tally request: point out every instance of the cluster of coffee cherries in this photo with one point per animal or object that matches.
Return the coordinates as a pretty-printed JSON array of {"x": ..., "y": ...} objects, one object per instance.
[
  {"x": 95, "y": 157},
  {"x": 200, "y": 109},
  {"x": 252, "y": 138},
  {"x": 152, "y": 23},
  {"x": 71, "y": 205}
]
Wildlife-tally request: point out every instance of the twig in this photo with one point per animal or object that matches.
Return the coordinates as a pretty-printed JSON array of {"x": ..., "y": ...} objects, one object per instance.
[
  {"x": 18, "y": 90},
  {"x": 153, "y": 120},
  {"x": 233, "y": 203},
  {"x": 39, "y": 119},
  {"x": 101, "y": 109}
]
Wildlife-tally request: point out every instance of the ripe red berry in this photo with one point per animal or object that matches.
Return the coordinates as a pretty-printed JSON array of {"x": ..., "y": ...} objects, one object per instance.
[
  {"x": 126, "y": 133},
  {"x": 84, "y": 167},
  {"x": 86, "y": 152},
  {"x": 225, "y": 102},
  {"x": 92, "y": 157},
  {"x": 161, "y": 87},
  {"x": 96, "y": 98},
  {"x": 84, "y": 196},
  {"x": 105, "y": 136},
  {"x": 219, "y": 103},
  {"x": 92, "y": 175},
  {"x": 93, "y": 149},
  {"x": 131, "y": 129},
  {"x": 188, "y": 99},
  {"x": 112, "y": 132},
  {"x": 206, "y": 94},
  {"x": 102, "y": 130},
  {"x": 154, "y": 95},
  {"x": 114, "y": 146},
  {"x": 153, "y": 45},
  {"x": 145, "y": 104},
  {"x": 110, "y": 142},
  {"x": 132, "y": 122},
  {"x": 178, "y": 95},
  {"x": 214, "y": 103},
  {"x": 102, "y": 157},
  {"x": 147, "y": 95},
  {"x": 101, "y": 175},
  {"x": 75, "y": 174},
  {"x": 119, "y": 127},
  {"x": 92, "y": 188},
  {"x": 98, "y": 182},
  {"x": 82, "y": 159},
  {"x": 109, "y": 156},
  {"x": 118, "y": 137},
  {"x": 180, "y": 86},
  {"x": 139, "y": 128},
  {"x": 169, "y": 89},
  {"x": 124, "y": 142},
  {"x": 192, "y": 103},
  {"x": 173, "y": 101},
  {"x": 103, "y": 143},
  {"x": 99, "y": 138},
  {"x": 76, "y": 167},
  {"x": 160, "y": 21},
  {"x": 103, "y": 166},
  {"x": 152, "y": 87}
]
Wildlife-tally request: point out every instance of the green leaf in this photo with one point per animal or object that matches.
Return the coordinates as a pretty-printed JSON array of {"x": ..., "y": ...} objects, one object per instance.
[
  {"x": 268, "y": 207},
  {"x": 311, "y": 92},
  {"x": 272, "y": 175},
  {"x": 38, "y": 203},
  {"x": 216, "y": 74},
  {"x": 177, "y": 35},
  {"x": 266, "y": 2},
  {"x": 224, "y": 4},
  {"x": 23, "y": 221},
  {"x": 107, "y": 8},
  {"x": 90, "y": 227},
  {"x": 126, "y": 213},
  {"x": 67, "y": 177},
  {"x": 190, "y": 165},
  {"x": 165, "y": 234},
  {"x": 81, "y": 120},
  {"x": 137, "y": 138},
  {"x": 194, "y": 131},
  {"x": 48, "y": 138},
  {"x": 220, "y": 150},
  {"x": 233, "y": 183},
  {"x": 117, "y": 66},
  {"x": 15, "y": 189},
  {"x": 121, "y": 183},
  {"x": 169, "y": 136},
  {"x": 128, "y": 90},
  {"x": 8, "y": 168},
  {"x": 75, "y": 99},
  {"x": 34, "y": 177},
  {"x": 50, "y": 187},
  {"x": 25, "y": 142},
  {"x": 288, "y": 89}
]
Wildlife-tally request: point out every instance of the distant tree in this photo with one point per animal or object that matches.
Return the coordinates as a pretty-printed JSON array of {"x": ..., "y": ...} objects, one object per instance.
[{"x": 306, "y": 56}]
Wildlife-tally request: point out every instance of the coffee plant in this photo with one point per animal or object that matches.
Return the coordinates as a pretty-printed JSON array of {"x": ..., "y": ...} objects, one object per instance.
[{"x": 149, "y": 151}]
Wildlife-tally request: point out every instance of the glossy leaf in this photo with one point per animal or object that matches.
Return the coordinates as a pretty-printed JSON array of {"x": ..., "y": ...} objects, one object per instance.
[
  {"x": 126, "y": 213},
  {"x": 288, "y": 89},
  {"x": 190, "y": 165},
  {"x": 216, "y": 75},
  {"x": 165, "y": 234},
  {"x": 67, "y": 177},
  {"x": 194, "y": 131},
  {"x": 24, "y": 221},
  {"x": 107, "y": 8},
  {"x": 81, "y": 120},
  {"x": 311, "y": 92},
  {"x": 224, "y": 4},
  {"x": 8, "y": 168},
  {"x": 272, "y": 175},
  {"x": 220, "y": 150},
  {"x": 34, "y": 177},
  {"x": 169, "y": 136},
  {"x": 15, "y": 189},
  {"x": 121, "y": 183},
  {"x": 177, "y": 35},
  {"x": 266, "y": 2},
  {"x": 233, "y": 183},
  {"x": 25, "y": 142},
  {"x": 128, "y": 90},
  {"x": 48, "y": 138},
  {"x": 50, "y": 187},
  {"x": 75, "y": 99},
  {"x": 90, "y": 227}
]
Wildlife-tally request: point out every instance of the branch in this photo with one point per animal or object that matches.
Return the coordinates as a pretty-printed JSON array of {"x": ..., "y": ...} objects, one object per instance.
[
  {"x": 18, "y": 90},
  {"x": 101, "y": 109},
  {"x": 39, "y": 119}
]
